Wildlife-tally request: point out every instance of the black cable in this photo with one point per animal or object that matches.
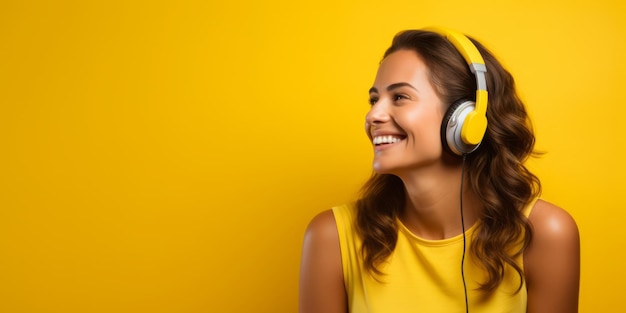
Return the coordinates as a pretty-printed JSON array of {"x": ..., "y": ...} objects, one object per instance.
[{"x": 464, "y": 239}]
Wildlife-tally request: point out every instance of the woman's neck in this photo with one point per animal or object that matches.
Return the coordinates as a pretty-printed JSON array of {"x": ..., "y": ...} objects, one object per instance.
[{"x": 433, "y": 202}]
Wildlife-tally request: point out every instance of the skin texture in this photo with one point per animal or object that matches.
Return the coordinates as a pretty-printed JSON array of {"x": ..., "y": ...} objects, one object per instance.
[{"x": 405, "y": 105}]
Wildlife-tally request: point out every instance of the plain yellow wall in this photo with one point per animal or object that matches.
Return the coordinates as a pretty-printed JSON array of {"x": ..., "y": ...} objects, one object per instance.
[{"x": 166, "y": 156}]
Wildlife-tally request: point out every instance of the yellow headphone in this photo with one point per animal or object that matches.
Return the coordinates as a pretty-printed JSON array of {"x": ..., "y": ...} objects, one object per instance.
[{"x": 465, "y": 123}]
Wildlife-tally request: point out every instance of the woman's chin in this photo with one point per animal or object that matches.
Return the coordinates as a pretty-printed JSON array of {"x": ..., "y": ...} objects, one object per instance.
[{"x": 381, "y": 168}]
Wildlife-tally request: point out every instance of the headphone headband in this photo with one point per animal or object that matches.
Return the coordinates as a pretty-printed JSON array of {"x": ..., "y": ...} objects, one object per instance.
[{"x": 475, "y": 124}]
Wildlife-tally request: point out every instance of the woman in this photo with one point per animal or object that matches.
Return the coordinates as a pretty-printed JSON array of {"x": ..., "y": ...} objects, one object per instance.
[{"x": 451, "y": 220}]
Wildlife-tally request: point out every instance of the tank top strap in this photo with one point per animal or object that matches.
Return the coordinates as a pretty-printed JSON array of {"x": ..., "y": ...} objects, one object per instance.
[{"x": 530, "y": 206}]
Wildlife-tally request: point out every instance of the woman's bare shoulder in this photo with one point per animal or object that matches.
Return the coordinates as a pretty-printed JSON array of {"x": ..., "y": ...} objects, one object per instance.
[
  {"x": 552, "y": 223},
  {"x": 552, "y": 260},
  {"x": 322, "y": 227},
  {"x": 321, "y": 274}
]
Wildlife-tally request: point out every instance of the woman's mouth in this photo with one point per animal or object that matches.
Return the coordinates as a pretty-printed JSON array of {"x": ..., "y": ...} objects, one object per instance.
[{"x": 385, "y": 140}]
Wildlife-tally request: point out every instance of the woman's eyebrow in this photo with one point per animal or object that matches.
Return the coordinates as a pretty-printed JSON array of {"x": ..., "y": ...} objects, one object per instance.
[{"x": 394, "y": 86}]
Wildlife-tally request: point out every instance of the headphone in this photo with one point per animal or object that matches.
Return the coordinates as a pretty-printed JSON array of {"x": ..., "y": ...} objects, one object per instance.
[{"x": 465, "y": 122}]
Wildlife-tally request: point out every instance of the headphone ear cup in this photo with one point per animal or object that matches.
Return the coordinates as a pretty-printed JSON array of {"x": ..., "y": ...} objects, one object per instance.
[{"x": 451, "y": 126}]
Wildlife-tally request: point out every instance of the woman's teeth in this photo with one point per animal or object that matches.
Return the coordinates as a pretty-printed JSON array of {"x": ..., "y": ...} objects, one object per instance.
[{"x": 385, "y": 139}]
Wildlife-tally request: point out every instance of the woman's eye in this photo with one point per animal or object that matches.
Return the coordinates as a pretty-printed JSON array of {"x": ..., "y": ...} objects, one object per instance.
[
  {"x": 373, "y": 100},
  {"x": 399, "y": 97}
]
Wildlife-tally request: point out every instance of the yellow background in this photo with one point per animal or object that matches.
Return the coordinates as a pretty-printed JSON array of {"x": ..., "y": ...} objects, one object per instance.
[{"x": 166, "y": 156}]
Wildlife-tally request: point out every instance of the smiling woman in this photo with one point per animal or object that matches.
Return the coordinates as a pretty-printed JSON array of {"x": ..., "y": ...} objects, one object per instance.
[
  {"x": 402, "y": 246},
  {"x": 399, "y": 110}
]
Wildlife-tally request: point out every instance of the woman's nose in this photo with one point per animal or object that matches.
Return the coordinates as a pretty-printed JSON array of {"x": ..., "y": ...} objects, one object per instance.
[{"x": 378, "y": 113}]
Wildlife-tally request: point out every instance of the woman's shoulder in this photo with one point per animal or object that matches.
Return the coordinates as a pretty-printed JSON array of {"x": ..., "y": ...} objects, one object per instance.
[
  {"x": 325, "y": 225},
  {"x": 322, "y": 225},
  {"x": 321, "y": 274},
  {"x": 552, "y": 223},
  {"x": 555, "y": 239},
  {"x": 552, "y": 260}
]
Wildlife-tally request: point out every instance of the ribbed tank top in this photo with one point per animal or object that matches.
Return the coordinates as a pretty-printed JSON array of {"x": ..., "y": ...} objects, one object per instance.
[{"x": 422, "y": 275}]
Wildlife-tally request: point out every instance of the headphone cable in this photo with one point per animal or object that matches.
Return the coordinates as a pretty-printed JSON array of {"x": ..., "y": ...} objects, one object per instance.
[{"x": 464, "y": 239}]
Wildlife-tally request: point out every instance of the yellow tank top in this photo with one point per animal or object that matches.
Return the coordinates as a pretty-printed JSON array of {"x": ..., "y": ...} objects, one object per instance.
[{"x": 422, "y": 275}]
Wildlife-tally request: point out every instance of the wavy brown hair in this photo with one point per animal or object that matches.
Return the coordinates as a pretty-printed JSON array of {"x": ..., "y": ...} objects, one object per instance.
[{"x": 495, "y": 171}]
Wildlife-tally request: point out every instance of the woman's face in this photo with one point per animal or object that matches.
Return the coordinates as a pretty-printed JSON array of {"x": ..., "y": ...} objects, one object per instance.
[{"x": 405, "y": 116}]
